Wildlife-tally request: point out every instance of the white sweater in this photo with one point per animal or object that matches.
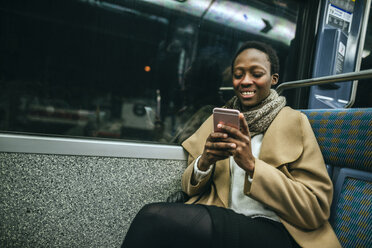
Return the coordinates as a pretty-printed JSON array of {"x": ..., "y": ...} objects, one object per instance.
[{"x": 239, "y": 202}]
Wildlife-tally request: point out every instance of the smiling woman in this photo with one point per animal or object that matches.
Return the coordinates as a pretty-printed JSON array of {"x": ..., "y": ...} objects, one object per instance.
[
  {"x": 253, "y": 74},
  {"x": 264, "y": 179}
]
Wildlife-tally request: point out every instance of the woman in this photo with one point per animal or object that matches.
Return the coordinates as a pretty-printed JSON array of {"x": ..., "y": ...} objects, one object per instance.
[{"x": 264, "y": 185}]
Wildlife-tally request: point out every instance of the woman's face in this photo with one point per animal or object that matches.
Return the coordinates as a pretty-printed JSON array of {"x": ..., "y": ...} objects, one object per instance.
[{"x": 251, "y": 77}]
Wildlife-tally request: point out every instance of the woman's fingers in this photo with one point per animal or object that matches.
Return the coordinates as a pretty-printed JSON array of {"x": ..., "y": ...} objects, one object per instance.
[
  {"x": 244, "y": 125},
  {"x": 216, "y": 148},
  {"x": 233, "y": 132},
  {"x": 211, "y": 156},
  {"x": 217, "y": 154},
  {"x": 217, "y": 136},
  {"x": 223, "y": 144},
  {"x": 242, "y": 134}
]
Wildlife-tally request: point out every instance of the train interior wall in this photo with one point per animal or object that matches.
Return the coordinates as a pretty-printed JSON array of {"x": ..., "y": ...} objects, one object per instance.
[{"x": 78, "y": 201}]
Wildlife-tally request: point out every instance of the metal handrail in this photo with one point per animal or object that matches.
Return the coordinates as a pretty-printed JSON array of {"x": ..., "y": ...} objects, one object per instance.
[{"x": 349, "y": 76}]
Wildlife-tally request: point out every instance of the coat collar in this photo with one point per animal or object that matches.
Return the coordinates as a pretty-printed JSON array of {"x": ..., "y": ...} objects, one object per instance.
[{"x": 282, "y": 142}]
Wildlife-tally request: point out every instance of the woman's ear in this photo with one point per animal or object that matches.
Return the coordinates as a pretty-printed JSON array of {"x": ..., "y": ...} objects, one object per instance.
[{"x": 274, "y": 78}]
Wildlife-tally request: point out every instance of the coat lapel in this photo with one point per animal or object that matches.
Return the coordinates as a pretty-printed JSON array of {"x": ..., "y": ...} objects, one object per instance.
[{"x": 282, "y": 142}]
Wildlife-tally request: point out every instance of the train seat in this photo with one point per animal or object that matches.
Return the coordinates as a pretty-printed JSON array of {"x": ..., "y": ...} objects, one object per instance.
[{"x": 345, "y": 138}]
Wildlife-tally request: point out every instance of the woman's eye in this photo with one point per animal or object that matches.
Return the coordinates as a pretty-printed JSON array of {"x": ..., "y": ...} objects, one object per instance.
[
  {"x": 257, "y": 75},
  {"x": 238, "y": 76}
]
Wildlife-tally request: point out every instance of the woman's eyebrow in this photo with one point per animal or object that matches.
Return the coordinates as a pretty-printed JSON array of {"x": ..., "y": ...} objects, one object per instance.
[{"x": 252, "y": 67}]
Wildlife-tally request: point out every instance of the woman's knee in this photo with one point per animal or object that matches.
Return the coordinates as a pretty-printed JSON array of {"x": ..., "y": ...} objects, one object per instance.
[
  {"x": 151, "y": 214},
  {"x": 151, "y": 209},
  {"x": 147, "y": 221}
]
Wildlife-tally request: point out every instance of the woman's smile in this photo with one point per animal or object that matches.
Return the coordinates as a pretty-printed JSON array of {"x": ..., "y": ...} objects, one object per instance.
[{"x": 248, "y": 94}]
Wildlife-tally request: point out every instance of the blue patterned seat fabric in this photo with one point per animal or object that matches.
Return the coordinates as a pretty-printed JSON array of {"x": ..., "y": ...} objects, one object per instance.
[
  {"x": 353, "y": 217},
  {"x": 345, "y": 138}
]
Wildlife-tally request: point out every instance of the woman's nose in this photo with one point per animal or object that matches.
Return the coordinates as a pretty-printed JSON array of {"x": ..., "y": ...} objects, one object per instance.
[{"x": 247, "y": 80}]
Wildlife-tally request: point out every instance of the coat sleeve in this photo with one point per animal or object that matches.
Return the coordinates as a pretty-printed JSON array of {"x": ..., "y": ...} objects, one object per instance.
[
  {"x": 299, "y": 192},
  {"x": 195, "y": 146},
  {"x": 187, "y": 185}
]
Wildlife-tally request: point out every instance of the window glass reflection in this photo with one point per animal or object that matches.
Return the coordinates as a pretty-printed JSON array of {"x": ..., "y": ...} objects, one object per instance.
[{"x": 137, "y": 70}]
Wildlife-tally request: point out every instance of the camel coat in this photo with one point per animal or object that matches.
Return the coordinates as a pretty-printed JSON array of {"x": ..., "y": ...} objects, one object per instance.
[{"x": 290, "y": 178}]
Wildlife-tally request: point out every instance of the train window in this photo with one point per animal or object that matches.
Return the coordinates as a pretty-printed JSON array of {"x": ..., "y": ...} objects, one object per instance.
[
  {"x": 142, "y": 70},
  {"x": 363, "y": 97}
]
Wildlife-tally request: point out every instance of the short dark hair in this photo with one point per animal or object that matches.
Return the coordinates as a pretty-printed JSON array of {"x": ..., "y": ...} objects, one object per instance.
[{"x": 263, "y": 47}]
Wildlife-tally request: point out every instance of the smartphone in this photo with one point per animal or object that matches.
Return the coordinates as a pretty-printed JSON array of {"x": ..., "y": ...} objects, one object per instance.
[{"x": 229, "y": 117}]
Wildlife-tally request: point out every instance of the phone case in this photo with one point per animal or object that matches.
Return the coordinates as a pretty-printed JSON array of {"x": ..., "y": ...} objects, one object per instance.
[{"x": 224, "y": 116}]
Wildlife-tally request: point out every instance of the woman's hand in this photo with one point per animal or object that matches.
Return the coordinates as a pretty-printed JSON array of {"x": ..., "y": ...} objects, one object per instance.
[
  {"x": 215, "y": 148},
  {"x": 240, "y": 143}
]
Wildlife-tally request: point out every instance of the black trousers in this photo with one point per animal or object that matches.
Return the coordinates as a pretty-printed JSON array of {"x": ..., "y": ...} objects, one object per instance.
[{"x": 180, "y": 225}]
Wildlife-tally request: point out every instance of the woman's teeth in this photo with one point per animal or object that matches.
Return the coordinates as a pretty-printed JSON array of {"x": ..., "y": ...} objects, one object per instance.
[{"x": 247, "y": 93}]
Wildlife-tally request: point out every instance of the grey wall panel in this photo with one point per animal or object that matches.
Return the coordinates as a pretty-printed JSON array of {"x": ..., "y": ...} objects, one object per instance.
[
  {"x": 77, "y": 201},
  {"x": 88, "y": 147}
]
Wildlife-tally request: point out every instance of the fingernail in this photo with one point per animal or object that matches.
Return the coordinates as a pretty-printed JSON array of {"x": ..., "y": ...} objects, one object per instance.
[
  {"x": 219, "y": 125},
  {"x": 233, "y": 145}
]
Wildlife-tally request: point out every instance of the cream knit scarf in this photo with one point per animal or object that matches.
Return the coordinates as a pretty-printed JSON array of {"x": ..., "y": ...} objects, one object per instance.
[{"x": 260, "y": 116}]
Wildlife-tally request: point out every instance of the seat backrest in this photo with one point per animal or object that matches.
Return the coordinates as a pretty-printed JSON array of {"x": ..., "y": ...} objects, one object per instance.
[{"x": 345, "y": 138}]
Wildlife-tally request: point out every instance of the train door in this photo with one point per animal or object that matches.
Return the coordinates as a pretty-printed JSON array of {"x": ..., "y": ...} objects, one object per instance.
[{"x": 340, "y": 43}]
